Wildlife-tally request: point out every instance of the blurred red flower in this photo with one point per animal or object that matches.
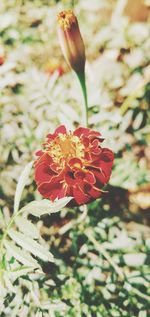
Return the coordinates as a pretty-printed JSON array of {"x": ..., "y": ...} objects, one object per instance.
[
  {"x": 2, "y": 60},
  {"x": 73, "y": 164},
  {"x": 52, "y": 66}
]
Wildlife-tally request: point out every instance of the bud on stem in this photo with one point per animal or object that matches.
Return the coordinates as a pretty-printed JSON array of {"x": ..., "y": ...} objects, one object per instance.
[
  {"x": 71, "y": 41},
  {"x": 73, "y": 49}
]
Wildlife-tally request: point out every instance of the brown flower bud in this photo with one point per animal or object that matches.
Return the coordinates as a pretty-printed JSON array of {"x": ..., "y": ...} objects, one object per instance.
[{"x": 71, "y": 41}]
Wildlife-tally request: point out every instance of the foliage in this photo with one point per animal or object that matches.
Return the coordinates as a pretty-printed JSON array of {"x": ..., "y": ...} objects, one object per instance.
[{"x": 98, "y": 261}]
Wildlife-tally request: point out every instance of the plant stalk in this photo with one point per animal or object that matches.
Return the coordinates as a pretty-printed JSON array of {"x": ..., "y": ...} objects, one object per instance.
[{"x": 81, "y": 77}]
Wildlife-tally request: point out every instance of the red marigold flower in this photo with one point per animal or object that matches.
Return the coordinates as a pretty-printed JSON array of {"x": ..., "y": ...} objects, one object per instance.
[{"x": 73, "y": 164}]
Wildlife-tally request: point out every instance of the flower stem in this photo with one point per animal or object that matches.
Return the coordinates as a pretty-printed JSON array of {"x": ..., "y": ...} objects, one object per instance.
[{"x": 81, "y": 77}]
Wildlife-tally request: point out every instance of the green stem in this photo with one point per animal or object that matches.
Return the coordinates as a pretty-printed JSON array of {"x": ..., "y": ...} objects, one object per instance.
[
  {"x": 81, "y": 77},
  {"x": 72, "y": 3}
]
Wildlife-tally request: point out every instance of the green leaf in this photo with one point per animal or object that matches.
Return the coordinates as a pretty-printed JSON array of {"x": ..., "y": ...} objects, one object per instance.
[
  {"x": 31, "y": 245},
  {"x": 27, "y": 227},
  {"x": 142, "y": 313},
  {"x": 21, "y": 184},
  {"x": 20, "y": 271},
  {"x": 45, "y": 206},
  {"x": 134, "y": 259},
  {"x": 20, "y": 255}
]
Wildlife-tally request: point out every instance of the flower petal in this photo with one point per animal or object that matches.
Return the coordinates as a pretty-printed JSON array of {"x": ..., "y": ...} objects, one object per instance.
[
  {"x": 90, "y": 178},
  {"x": 75, "y": 163},
  {"x": 93, "y": 191},
  {"x": 81, "y": 131},
  {"x": 79, "y": 196},
  {"x": 53, "y": 189},
  {"x": 61, "y": 129},
  {"x": 43, "y": 173},
  {"x": 107, "y": 155},
  {"x": 70, "y": 179}
]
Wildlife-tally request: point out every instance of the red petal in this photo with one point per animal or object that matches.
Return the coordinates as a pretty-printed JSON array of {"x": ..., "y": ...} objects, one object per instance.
[
  {"x": 39, "y": 153},
  {"x": 107, "y": 155},
  {"x": 61, "y": 129},
  {"x": 43, "y": 173},
  {"x": 52, "y": 192},
  {"x": 85, "y": 141},
  {"x": 70, "y": 179},
  {"x": 55, "y": 167},
  {"x": 102, "y": 176},
  {"x": 80, "y": 175},
  {"x": 79, "y": 196},
  {"x": 81, "y": 131},
  {"x": 90, "y": 178},
  {"x": 44, "y": 158},
  {"x": 54, "y": 188},
  {"x": 96, "y": 151},
  {"x": 95, "y": 143},
  {"x": 87, "y": 156},
  {"x": 93, "y": 191},
  {"x": 75, "y": 163},
  {"x": 50, "y": 137}
]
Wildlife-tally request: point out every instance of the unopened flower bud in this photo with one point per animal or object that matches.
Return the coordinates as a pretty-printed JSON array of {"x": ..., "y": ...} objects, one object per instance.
[{"x": 71, "y": 41}]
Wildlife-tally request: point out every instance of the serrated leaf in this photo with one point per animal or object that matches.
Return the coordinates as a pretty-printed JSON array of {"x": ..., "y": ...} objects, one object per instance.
[
  {"x": 20, "y": 271},
  {"x": 31, "y": 245},
  {"x": 8, "y": 283},
  {"x": 20, "y": 186},
  {"x": 45, "y": 206},
  {"x": 21, "y": 255},
  {"x": 27, "y": 227}
]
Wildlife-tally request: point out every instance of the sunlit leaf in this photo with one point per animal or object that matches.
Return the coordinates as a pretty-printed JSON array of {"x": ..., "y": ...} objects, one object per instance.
[
  {"x": 27, "y": 227},
  {"x": 134, "y": 259},
  {"x": 21, "y": 184},
  {"x": 20, "y": 255},
  {"x": 20, "y": 271},
  {"x": 45, "y": 206},
  {"x": 138, "y": 121},
  {"x": 31, "y": 245}
]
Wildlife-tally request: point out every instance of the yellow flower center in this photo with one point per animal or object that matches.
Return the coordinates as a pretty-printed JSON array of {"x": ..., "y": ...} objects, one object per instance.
[
  {"x": 66, "y": 19},
  {"x": 65, "y": 147}
]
